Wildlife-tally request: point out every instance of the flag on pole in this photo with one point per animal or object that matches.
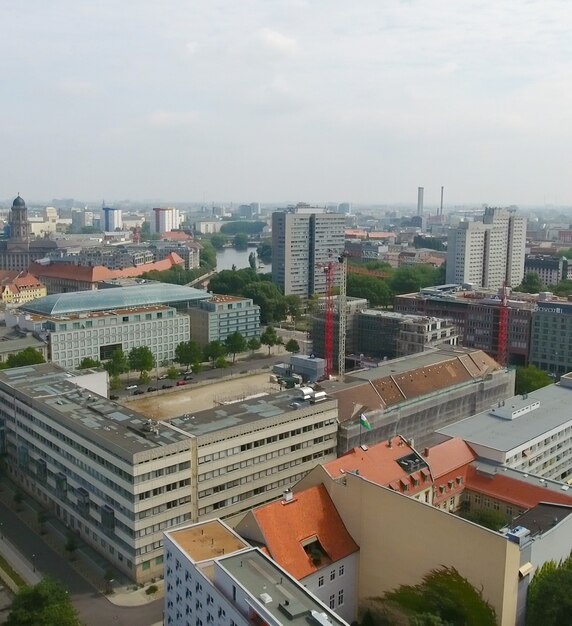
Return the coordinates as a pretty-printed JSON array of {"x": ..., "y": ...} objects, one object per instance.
[{"x": 364, "y": 422}]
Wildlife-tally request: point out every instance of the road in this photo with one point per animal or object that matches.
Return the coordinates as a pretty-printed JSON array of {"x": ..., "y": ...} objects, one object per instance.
[{"x": 93, "y": 608}]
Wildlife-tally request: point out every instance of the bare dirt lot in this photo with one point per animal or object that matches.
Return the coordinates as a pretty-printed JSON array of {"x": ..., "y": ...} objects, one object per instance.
[{"x": 189, "y": 399}]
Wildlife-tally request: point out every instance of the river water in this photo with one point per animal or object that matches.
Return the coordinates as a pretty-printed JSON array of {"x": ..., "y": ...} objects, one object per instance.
[{"x": 227, "y": 257}]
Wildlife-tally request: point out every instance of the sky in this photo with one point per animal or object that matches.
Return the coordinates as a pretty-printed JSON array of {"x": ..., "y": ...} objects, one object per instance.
[{"x": 274, "y": 100}]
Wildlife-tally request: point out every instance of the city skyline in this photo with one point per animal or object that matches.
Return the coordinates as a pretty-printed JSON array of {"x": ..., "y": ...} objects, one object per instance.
[{"x": 363, "y": 103}]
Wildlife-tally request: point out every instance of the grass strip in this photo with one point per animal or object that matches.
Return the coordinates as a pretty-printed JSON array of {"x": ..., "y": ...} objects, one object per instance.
[{"x": 18, "y": 580}]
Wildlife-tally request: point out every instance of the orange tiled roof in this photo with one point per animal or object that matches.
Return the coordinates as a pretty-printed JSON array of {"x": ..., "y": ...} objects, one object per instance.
[
  {"x": 286, "y": 526},
  {"x": 519, "y": 493},
  {"x": 449, "y": 456},
  {"x": 176, "y": 235},
  {"x": 378, "y": 464}
]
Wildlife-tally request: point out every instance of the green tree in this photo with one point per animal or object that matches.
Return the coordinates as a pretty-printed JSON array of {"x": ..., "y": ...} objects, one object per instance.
[
  {"x": 254, "y": 344},
  {"x": 530, "y": 378},
  {"x": 489, "y": 518},
  {"x": 141, "y": 359},
  {"x": 172, "y": 373},
  {"x": 220, "y": 363},
  {"x": 549, "y": 602},
  {"x": 428, "y": 242},
  {"x": 273, "y": 305},
  {"x": 242, "y": 227},
  {"x": 270, "y": 338},
  {"x": 252, "y": 260},
  {"x": 408, "y": 279},
  {"x": 294, "y": 306},
  {"x": 375, "y": 290},
  {"x": 264, "y": 251},
  {"x": 207, "y": 255},
  {"x": 45, "y": 604},
  {"x": 117, "y": 364},
  {"x": 28, "y": 356},
  {"x": 444, "y": 593},
  {"x": 563, "y": 288},
  {"x": 531, "y": 283},
  {"x": 188, "y": 352},
  {"x": 240, "y": 241},
  {"x": 214, "y": 350},
  {"x": 235, "y": 343},
  {"x": 218, "y": 241},
  {"x": 292, "y": 346},
  {"x": 88, "y": 363}
]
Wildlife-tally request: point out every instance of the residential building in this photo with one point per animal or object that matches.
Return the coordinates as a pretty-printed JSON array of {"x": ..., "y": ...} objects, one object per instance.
[
  {"x": 165, "y": 220},
  {"x": 218, "y": 317},
  {"x": 551, "y": 336},
  {"x": 488, "y": 253},
  {"x": 212, "y": 576},
  {"x": 187, "y": 249},
  {"x": 81, "y": 218},
  {"x": 476, "y": 314},
  {"x": 532, "y": 433},
  {"x": 95, "y": 323},
  {"x": 416, "y": 395},
  {"x": 208, "y": 227},
  {"x": 20, "y": 287},
  {"x": 305, "y": 535},
  {"x": 111, "y": 219},
  {"x": 247, "y": 451},
  {"x": 110, "y": 475},
  {"x": 304, "y": 241},
  {"x": 550, "y": 269},
  {"x": 14, "y": 340}
]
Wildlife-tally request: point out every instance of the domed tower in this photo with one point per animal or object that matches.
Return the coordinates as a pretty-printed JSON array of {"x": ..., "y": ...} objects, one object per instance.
[{"x": 18, "y": 220}]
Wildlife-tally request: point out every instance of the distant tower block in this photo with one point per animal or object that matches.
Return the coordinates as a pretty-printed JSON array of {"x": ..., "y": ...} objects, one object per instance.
[
  {"x": 441, "y": 207},
  {"x": 420, "y": 201}
]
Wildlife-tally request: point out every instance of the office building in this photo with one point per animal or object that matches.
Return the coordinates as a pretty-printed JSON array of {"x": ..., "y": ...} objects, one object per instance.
[
  {"x": 532, "y": 433},
  {"x": 551, "y": 337},
  {"x": 305, "y": 535},
  {"x": 111, "y": 476},
  {"x": 95, "y": 323},
  {"x": 488, "y": 253},
  {"x": 111, "y": 219},
  {"x": 81, "y": 219},
  {"x": 213, "y": 576},
  {"x": 304, "y": 241},
  {"x": 416, "y": 395},
  {"x": 218, "y": 317},
  {"x": 550, "y": 269},
  {"x": 14, "y": 340},
  {"x": 165, "y": 220}
]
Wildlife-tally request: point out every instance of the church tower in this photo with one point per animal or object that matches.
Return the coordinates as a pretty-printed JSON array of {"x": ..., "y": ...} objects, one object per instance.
[{"x": 19, "y": 226}]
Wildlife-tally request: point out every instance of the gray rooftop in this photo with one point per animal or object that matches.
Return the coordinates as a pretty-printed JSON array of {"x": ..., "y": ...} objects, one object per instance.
[
  {"x": 491, "y": 430},
  {"x": 118, "y": 298},
  {"x": 241, "y": 413},
  {"x": 288, "y": 602},
  {"x": 103, "y": 422}
]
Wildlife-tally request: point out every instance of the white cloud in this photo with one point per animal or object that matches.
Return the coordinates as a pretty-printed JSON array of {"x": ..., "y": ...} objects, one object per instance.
[{"x": 277, "y": 42}]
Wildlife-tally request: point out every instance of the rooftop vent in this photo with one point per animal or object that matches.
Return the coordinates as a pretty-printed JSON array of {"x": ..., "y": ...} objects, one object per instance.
[
  {"x": 515, "y": 409},
  {"x": 266, "y": 598}
]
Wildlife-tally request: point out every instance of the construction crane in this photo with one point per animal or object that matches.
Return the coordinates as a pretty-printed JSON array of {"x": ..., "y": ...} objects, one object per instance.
[
  {"x": 342, "y": 317},
  {"x": 502, "y": 346},
  {"x": 329, "y": 270}
]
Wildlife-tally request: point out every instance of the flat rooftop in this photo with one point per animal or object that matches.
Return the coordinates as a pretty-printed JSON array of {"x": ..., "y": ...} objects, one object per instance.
[
  {"x": 243, "y": 412},
  {"x": 207, "y": 541},
  {"x": 108, "y": 425},
  {"x": 98, "y": 314},
  {"x": 286, "y": 600},
  {"x": 489, "y": 430},
  {"x": 541, "y": 518}
]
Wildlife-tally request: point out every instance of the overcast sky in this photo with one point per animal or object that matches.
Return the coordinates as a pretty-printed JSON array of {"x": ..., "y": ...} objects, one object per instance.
[{"x": 272, "y": 100}]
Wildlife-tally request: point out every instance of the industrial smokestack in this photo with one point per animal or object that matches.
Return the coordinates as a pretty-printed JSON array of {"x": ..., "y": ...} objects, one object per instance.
[
  {"x": 441, "y": 207},
  {"x": 420, "y": 201}
]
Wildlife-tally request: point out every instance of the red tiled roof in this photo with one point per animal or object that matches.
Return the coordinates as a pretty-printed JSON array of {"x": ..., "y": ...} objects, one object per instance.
[
  {"x": 379, "y": 464},
  {"x": 449, "y": 456},
  {"x": 517, "y": 492},
  {"x": 177, "y": 235},
  {"x": 285, "y": 526}
]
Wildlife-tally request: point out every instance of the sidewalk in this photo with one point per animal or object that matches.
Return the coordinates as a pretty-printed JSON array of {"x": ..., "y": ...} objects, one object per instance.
[{"x": 84, "y": 560}]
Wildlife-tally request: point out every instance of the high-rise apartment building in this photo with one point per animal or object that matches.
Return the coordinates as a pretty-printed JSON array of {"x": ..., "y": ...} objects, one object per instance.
[
  {"x": 304, "y": 240},
  {"x": 488, "y": 253},
  {"x": 112, "y": 219},
  {"x": 165, "y": 220}
]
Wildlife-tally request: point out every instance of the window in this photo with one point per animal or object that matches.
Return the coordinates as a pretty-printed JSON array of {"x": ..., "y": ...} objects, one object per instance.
[
  {"x": 332, "y": 600},
  {"x": 340, "y": 597},
  {"x": 321, "y": 581},
  {"x": 341, "y": 570},
  {"x": 333, "y": 574}
]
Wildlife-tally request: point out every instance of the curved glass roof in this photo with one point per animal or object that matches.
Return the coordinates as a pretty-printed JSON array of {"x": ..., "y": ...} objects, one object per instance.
[{"x": 113, "y": 298}]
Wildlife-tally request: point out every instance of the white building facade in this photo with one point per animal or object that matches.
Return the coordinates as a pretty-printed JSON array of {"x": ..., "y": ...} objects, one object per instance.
[{"x": 165, "y": 220}]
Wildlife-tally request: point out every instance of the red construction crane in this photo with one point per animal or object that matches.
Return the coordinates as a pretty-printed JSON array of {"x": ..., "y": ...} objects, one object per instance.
[
  {"x": 330, "y": 271},
  {"x": 502, "y": 346}
]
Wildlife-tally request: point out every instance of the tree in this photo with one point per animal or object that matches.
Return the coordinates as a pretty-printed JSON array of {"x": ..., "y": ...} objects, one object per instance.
[
  {"x": 292, "y": 346},
  {"x": 242, "y": 226},
  {"x": 172, "y": 373},
  {"x": 254, "y": 344},
  {"x": 218, "y": 241},
  {"x": 252, "y": 260},
  {"x": 549, "y": 602},
  {"x": 264, "y": 251},
  {"x": 188, "y": 352},
  {"x": 235, "y": 343},
  {"x": 294, "y": 306},
  {"x": 531, "y": 283},
  {"x": 220, "y": 363},
  {"x": 408, "y": 279},
  {"x": 445, "y": 594},
  {"x": 375, "y": 290},
  {"x": 71, "y": 545},
  {"x": 488, "y": 518},
  {"x": 207, "y": 255},
  {"x": 88, "y": 363},
  {"x": 270, "y": 338},
  {"x": 118, "y": 364},
  {"x": 28, "y": 356},
  {"x": 141, "y": 359},
  {"x": 428, "y": 242},
  {"x": 44, "y": 604},
  {"x": 240, "y": 241},
  {"x": 214, "y": 350},
  {"x": 530, "y": 378}
]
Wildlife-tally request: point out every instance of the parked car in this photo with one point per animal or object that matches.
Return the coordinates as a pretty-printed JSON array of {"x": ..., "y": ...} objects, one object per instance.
[
  {"x": 166, "y": 386},
  {"x": 180, "y": 383},
  {"x": 129, "y": 387},
  {"x": 138, "y": 392},
  {"x": 163, "y": 376},
  {"x": 187, "y": 377},
  {"x": 113, "y": 397},
  {"x": 151, "y": 389}
]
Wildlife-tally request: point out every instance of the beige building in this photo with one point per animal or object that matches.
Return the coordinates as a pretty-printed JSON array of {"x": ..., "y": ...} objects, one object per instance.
[{"x": 20, "y": 287}]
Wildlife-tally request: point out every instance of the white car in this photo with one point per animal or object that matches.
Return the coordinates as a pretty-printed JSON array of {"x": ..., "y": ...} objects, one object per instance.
[{"x": 129, "y": 387}]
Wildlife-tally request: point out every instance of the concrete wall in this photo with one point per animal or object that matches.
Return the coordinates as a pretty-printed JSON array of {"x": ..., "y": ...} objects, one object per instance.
[{"x": 402, "y": 539}]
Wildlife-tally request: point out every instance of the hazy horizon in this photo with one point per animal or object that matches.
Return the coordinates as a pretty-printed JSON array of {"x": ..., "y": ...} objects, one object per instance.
[{"x": 226, "y": 102}]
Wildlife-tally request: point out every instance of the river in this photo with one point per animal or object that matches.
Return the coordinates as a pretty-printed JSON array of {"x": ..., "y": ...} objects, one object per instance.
[{"x": 227, "y": 257}]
